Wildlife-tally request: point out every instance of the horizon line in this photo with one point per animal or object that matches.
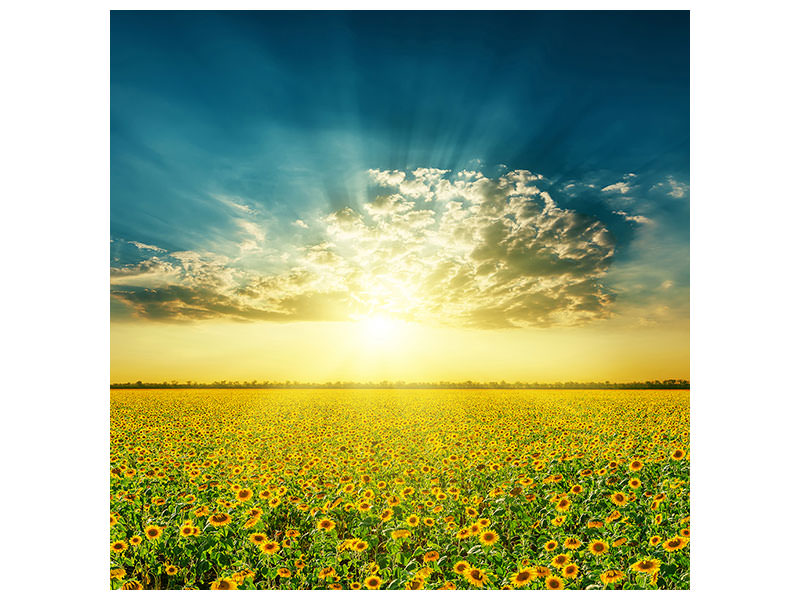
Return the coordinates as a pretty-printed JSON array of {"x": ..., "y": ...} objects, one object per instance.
[{"x": 400, "y": 384}]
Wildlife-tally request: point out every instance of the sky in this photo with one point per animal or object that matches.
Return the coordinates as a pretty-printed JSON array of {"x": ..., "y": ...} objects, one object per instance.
[{"x": 416, "y": 196}]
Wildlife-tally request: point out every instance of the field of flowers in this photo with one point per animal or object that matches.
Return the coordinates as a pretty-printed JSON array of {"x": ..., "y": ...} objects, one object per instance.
[{"x": 391, "y": 489}]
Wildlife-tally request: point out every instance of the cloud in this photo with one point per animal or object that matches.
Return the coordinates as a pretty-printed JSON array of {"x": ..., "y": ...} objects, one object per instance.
[
  {"x": 673, "y": 187},
  {"x": 142, "y": 246},
  {"x": 621, "y": 187},
  {"x": 234, "y": 202},
  {"x": 253, "y": 238},
  {"x": 633, "y": 218},
  {"x": 300, "y": 223},
  {"x": 387, "y": 178},
  {"x": 431, "y": 246}
]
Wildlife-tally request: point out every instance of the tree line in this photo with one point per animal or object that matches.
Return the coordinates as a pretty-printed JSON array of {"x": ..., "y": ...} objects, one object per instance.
[{"x": 657, "y": 384}]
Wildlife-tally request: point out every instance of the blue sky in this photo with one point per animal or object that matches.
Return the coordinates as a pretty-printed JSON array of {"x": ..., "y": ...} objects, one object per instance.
[{"x": 244, "y": 144}]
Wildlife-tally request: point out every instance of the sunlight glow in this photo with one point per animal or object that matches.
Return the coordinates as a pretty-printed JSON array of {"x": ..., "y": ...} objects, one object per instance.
[{"x": 380, "y": 330}]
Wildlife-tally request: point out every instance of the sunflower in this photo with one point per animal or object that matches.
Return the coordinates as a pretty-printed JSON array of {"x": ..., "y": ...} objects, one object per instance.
[
  {"x": 554, "y": 583},
  {"x": 257, "y": 538},
  {"x": 635, "y": 483},
  {"x": 559, "y": 560},
  {"x": 284, "y": 572},
  {"x": 326, "y": 525},
  {"x": 615, "y": 514},
  {"x": 675, "y": 543},
  {"x": 539, "y": 571},
  {"x": 475, "y": 576},
  {"x": 431, "y": 556},
  {"x": 226, "y": 583},
  {"x": 355, "y": 585},
  {"x": 488, "y": 537},
  {"x": 132, "y": 585},
  {"x": 594, "y": 524},
  {"x": 655, "y": 540},
  {"x": 114, "y": 519},
  {"x": 612, "y": 576},
  {"x": 576, "y": 489},
  {"x": 386, "y": 515},
  {"x": 598, "y": 547},
  {"x": 412, "y": 521},
  {"x": 119, "y": 546},
  {"x": 470, "y": 512},
  {"x": 171, "y": 569},
  {"x": 219, "y": 519},
  {"x": 416, "y": 583},
  {"x": 270, "y": 547},
  {"x": 461, "y": 567},
  {"x": 619, "y": 499},
  {"x": 326, "y": 572},
  {"x": 448, "y": 585},
  {"x": 187, "y": 529},
  {"x": 428, "y": 521},
  {"x": 373, "y": 582},
  {"x": 636, "y": 465},
  {"x": 522, "y": 577},
  {"x": 646, "y": 565},
  {"x": 135, "y": 540},
  {"x": 684, "y": 532},
  {"x": 152, "y": 532},
  {"x": 572, "y": 543},
  {"x": 400, "y": 534},
  {"x": 677, "y": 454},
  {"x": 551, "y": 545},
  {"x": 563, "y": 505},
  {"x": 360, "y": 545},
  {"x": 570, "y": 571}
]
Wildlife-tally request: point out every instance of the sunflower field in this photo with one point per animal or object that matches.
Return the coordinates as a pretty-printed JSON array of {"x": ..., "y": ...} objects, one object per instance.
[{"x": 399, "y": 489}]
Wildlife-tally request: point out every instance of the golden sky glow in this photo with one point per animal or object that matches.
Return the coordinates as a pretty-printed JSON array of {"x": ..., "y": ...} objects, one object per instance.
[{"x": 393, "y": 351}]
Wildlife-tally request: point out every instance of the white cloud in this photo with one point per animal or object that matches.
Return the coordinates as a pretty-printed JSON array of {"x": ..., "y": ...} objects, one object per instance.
[
  {"x": 621, "y": 187},
  {"x": 254, "y": 236},
  {"x": 387, "y": 178},
  {"x": 672, "y": 187},
  {"x": 234, "y": 202},
  {"x": 431, "y": 246},
  {"x": 142, "y": 246},
  {"x": 634, "y": 218}
]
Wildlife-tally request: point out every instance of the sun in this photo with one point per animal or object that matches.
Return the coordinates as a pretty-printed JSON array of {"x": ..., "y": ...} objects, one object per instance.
[{"x": 380, "y": 329}]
